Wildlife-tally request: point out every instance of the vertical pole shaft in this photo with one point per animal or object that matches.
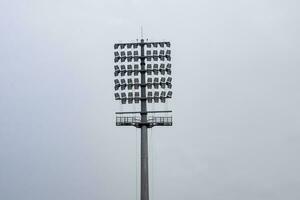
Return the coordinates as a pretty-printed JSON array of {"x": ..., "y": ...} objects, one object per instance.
[{"x": 144, "y": 134}]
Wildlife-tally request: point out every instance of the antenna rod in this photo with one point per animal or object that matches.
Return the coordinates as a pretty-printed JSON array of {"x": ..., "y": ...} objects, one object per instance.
[{"x": 142, "y": 32}]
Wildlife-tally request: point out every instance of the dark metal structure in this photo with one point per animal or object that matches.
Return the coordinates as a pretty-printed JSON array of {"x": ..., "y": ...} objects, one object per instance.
[{"x": 130, "y": 60}]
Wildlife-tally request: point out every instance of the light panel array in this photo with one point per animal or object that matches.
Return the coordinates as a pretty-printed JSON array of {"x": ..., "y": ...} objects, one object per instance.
[
  {"x": 127, "y": 69},
  {"x": 130, "y": 51}
]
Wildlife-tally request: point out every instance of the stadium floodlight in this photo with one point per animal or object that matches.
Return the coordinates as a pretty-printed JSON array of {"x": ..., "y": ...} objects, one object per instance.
[
  {"x": 169, "y": 82},
  {"x": 161, "y": 52},
  {"x": 129, "y": 70},
  {"x": 136, "y": 70},
  {"x": 117, "y": 84},
  {"x": 168, "y": 69},
  {"x": 136, "y": 83},
  {"x": 142, "y": 73},
  {"x": 117, "y": 70},
  {"x": 156, "y": 83},
  {"x": 149, "y": 69},
  {"x": 136, "y": 97},
  {"x": 130, "y": 97},
  {"x": 169, "y": 95},
  {"x": 150, "y": 98},
  {"x": 117, "y": 96},
  {"x": 156, "y": 96},
  {"x": 163, "y": 96},
  {"x": 155, "y": 69},
  {"x": 149, "y": 83},
  {"x": 129, "y": 84},
  {"x": 163, "y": 82},
  {"x": 162, "y": 69}
]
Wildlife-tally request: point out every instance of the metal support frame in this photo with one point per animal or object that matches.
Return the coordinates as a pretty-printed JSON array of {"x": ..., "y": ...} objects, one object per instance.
[{"x": 144, "y": 134}]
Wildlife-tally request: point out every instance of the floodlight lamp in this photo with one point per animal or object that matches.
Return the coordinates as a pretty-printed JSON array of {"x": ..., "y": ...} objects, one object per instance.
[
  {"x": 163, "y": 82},
  {"x": 156, "y": 96},
  {"x": 129, "y": 81},
  {"x": 129, "y": 84},
  {"x": 130, "y": 101},
  {"x": 156, "y": 83},
  {"x": 169, "y": 80},
  {"x": 168, "y": 44},
  {"x": 129, "y": 70},
  {"x": 130, "y": 94},
  {"x": 149, "y": 69},
  {"x": 149, "y": 97},
  {"x": 117, "y": 70},
  {"x": 155, "y": 69},
  {"x": 149, "y": 83},
  {"x": 123, "y": 54},
  {"x": 162, "y": 69},
  {"x": 163, "y": 96},
  {"x": 117, "y": 84},
  {"x": 123, "y": 97},
  {"x": 123, "y": 70},
  {"x": 117, "y": 96},
  {"x": 136, "y": 97},
  {"x": 169, "y": 94},
  {"x": 116, "y": 59},
  {"x": 130, "y": 97},
  {"x": 168, "y": 69},
  {"x": 162, "y": 58},
  {"x": 136, "y": 70},
  {"x": 136, "y": 83}
]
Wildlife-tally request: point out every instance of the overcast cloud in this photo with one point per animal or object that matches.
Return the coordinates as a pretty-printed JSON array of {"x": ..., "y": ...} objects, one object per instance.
[{"x": 236, "y": 100}]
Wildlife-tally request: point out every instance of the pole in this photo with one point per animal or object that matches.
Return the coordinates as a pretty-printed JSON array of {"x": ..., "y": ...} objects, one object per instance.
[{"x": 144, "y": 135}]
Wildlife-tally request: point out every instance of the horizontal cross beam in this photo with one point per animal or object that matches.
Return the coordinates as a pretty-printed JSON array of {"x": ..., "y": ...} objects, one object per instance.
[{"x": 159, "y": 111}]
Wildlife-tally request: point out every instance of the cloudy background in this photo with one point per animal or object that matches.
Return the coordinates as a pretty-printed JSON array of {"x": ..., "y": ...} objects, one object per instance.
[{"x": 236, "y": 100}]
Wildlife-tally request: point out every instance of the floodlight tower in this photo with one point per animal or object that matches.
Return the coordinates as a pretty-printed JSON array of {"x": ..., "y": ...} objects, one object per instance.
[{"x": 153, "y": 84}]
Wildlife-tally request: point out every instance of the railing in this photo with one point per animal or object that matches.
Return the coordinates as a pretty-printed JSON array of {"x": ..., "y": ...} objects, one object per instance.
[
  {"x": 127, "y": 121},
  {"x": 136, "y": 121}
]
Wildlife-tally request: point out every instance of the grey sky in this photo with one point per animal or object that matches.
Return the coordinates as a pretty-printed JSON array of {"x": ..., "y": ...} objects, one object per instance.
[{"x": 236, "y": 100}]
